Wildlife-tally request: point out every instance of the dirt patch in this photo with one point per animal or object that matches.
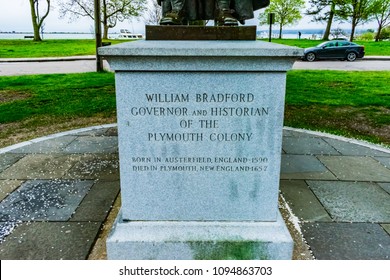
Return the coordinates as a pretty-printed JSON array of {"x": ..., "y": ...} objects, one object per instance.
[{"x": 11, "y": 95}]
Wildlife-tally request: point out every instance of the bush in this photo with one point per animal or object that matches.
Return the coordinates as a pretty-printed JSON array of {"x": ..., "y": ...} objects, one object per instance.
[
  {"x": 368, "y": 36},
  {"x": 385, "y": 33}
]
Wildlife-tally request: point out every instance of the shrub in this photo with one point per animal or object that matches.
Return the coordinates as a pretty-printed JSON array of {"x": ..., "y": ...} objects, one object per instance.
[
  {"x": 368, "y": 36},
  {"x": 385, "y": 33}
]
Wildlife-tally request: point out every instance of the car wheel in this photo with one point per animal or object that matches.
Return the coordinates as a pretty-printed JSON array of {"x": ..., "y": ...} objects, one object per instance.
[
  {"x": 351, "y": 56},
  {"x": 310, "y": 56}
]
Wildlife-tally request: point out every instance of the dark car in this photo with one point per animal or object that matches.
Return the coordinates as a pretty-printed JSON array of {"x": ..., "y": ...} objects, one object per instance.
[{"x": 335, "y": 49}]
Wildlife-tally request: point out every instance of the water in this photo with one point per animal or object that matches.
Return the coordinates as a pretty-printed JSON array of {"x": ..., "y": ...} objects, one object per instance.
[
  {"x": 315, "y": 34},
  {"x": 312, "y": 36},
  {"x": 261, "y": 34},
  {"x": 53, "y": 35}
]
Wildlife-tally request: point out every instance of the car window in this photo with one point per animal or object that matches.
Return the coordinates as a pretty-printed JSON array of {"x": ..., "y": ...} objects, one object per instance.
[
  {"x": 331, "y": 44},
  {"x": 321, "y": 45},
  {"x": 345, "y": 43}
]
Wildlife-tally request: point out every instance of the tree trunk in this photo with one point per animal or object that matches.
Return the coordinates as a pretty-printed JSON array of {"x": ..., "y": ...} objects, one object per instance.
[
  {"x": 37, "y": 20},
  {"x": 105, "y": 20},
  {"x": 37, "y": 36},
  {"x": 280, "y": 30},
  {"x": 378, "y": 34},
  {"x": 329, "y": 24},
  {"x": 105, "y": 31},
  {"x": 352, "y": 30}
]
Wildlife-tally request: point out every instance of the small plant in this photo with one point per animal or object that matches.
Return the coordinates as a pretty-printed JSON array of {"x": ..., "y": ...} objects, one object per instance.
[
  {"x": 385, "y": 34},
  {"x": 367, "y": 36}
]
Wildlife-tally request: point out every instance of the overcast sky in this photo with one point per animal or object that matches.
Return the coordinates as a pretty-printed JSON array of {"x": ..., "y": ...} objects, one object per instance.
[{"x": 15, "y": 16}]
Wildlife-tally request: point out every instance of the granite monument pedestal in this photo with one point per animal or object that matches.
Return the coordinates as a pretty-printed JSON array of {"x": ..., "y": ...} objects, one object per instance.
[{"x": 200, "y": 134}]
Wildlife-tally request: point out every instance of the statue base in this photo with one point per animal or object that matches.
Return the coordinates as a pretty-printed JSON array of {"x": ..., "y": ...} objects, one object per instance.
[{"x": 190, "y": 32}]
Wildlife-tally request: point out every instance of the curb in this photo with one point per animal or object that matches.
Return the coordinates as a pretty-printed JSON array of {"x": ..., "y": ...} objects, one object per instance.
[
  {"x": 48, "y": 59},
  {"x": 384, "y": 58},
  {"x": 53, "y": 136},
  {"x": 377, "y": 147}
]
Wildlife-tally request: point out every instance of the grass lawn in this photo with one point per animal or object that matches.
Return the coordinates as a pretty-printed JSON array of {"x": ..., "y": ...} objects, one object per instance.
[
  {"x": 353, "y": 104},
  {"x": 52, "y": 48},
  {"x": 38, "y": 105},
  {"x": 48, "y": 48}
]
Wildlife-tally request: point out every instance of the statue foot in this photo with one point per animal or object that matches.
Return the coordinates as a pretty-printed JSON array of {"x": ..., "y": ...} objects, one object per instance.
[
  {"x": 225, "y": 18},
  {"x": 172, "y": 18}
]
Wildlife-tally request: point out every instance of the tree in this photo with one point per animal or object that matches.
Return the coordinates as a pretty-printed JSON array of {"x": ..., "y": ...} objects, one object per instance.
[
  {"x": 112, "y": 11},
  {"x": 381, "y": 11},
  {"x": 286, "y": 12},
  {"x": 153, "y": 13},
  {"x": 357, "y": 11},
  {"x": 323, "y": 10},
  {"x": 37, "y": 19}
]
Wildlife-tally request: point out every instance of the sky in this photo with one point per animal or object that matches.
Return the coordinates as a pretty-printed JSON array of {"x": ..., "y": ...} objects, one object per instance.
[{"x": 15, "y": 16}]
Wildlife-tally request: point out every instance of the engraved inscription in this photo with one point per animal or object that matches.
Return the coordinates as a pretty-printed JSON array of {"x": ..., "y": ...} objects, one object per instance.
[{"x": 199, "y": 117}]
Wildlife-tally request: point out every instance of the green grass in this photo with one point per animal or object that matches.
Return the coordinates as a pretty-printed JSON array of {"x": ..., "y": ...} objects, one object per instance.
[
  {"x": 48, "y": 48},
  {"x": 34, "y": 106},
  {"x": 338, "y": 88},
  {"x": 64, "y": 95},
  {"x": 354, "y": 104},
  {"x": 371, "y": 48}
]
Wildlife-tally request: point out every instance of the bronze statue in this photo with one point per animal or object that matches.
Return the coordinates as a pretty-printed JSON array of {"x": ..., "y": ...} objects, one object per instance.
[{"x": 224, "y": 12}]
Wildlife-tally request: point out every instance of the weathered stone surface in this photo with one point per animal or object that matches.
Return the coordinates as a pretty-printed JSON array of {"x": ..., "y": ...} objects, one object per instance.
[
  {"x": 55, "y": 145},
  {"x": 347, "y": 241},
  {"x": 353, "y": 201},
  {"x": 40, "y": 166},
  {"x": 307, "y": 146},
  {"x": 91, "y": 144},
  {"x": 7, "y": 187},
  {"x": 50, "y": 241},
  {"x": 95, "y": 166},
  {"x": 219, "y": 177},
  {"x": 350, "y": 149},
  {"x": 386, "y": 227},
  {"x": 243, "y": 56},
  {"x": 304, "y": 167},
  {"x": 385, "y": 186},
  {"x": 200, "y": 132},
  {"x": 93, "y": 132},
  {"x": 7, "y": 159},
  {"x": 200, "y": 240},
  {"x": 384, "y": 160},
  {"x": 44, "y": 200},
  {"x": 303, "y": 202},
  {"x": 97, "y": 203},
  {"x": 354, "y": 168}
]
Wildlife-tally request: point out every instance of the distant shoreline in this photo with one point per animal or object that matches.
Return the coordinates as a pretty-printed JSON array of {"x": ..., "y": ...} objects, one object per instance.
[
  {"x": 55, "y": 32},
  {"x": 262, "y": 29}
]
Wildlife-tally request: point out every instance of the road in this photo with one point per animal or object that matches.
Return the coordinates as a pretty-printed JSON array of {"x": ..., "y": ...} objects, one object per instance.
[
  {"x": 25, "y": 67},
  {"x": 358, "y": 65}
]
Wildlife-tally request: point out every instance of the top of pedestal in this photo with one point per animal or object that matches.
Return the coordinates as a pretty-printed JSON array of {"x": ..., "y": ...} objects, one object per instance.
[{"x": 201, "y": 48}]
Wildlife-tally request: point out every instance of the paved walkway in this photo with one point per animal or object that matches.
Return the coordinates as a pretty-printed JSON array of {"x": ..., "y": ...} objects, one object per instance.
[{"x": 57, "y": 191}]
